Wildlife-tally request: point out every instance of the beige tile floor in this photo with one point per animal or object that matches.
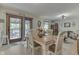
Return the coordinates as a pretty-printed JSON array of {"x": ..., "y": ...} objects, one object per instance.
[
  {"x": 70, "y": 48},
  {"x": 18, "y": 48}
]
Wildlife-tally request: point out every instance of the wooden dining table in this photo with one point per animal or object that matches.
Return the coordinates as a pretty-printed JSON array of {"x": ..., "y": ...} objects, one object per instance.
[{"x": 45, "y": 41}]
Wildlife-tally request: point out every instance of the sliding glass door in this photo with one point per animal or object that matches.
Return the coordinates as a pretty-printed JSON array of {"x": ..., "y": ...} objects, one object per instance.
[
  {"x": 17, "y": 27},
  {"x": 28, "y": 34},
  {"x": 13, "y": 28}
]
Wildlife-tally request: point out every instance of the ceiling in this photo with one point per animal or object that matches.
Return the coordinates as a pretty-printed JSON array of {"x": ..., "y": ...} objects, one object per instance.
[{"x": 48, "y": 10}]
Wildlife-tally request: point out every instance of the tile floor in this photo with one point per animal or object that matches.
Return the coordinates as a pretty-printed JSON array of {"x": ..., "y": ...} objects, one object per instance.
[
  {"x": 18, "y": 48},
  {"x": 70, "y": 48}
]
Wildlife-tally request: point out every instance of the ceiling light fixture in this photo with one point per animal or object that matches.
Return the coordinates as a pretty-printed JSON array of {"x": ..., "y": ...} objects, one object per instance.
[{"x": 64, "y": 15}]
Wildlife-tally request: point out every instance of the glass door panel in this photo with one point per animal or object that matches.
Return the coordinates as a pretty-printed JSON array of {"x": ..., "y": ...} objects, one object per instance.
[
  {"x": 27, "y": 27},
  {"x": 15, "y": 28},
  {"x": 46, "y": 25}
]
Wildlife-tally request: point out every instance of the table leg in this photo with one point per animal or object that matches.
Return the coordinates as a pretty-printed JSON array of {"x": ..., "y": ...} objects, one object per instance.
[{"x": 44, "y": 50}]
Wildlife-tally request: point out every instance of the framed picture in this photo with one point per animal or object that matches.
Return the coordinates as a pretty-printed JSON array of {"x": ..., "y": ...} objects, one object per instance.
[
  {"x": 67, "y": 24},
  {"x": 39, "y": 23}
]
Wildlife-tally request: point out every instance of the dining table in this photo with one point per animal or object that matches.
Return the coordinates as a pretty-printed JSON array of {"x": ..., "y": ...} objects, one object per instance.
[{"x": 45, "y": 41}]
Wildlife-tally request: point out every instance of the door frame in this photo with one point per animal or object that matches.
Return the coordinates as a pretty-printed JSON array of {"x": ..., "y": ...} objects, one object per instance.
[{"x": 8, "y": 27}]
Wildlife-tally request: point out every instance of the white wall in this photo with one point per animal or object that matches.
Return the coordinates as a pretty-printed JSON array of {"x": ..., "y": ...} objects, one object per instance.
[
  {"x": 3, "y": 17},
  {"x": 73, "y": 27},
  {"x": 35, "y": 22}
]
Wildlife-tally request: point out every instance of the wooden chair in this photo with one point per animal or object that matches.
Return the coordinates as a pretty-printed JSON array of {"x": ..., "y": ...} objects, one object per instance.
[
  {"x": 78, "y": 44},
  {"x": 57, "y": 47},
  {"x": 59, "y": 43},
  {"x": 36, "y": 47}
]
